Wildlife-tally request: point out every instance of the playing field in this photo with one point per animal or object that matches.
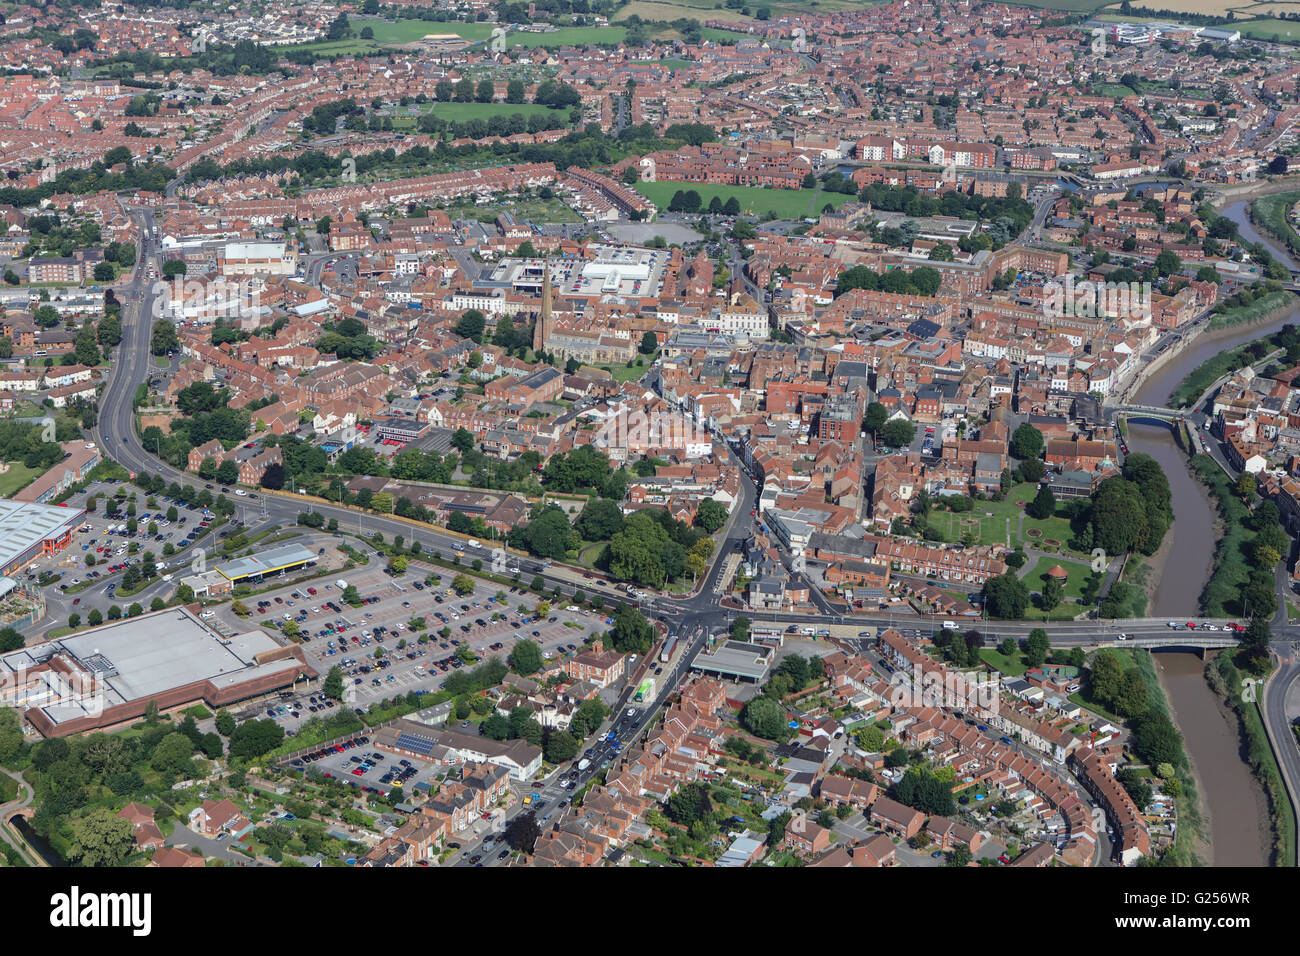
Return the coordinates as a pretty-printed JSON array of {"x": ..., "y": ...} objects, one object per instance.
[
  {"x": 568, "y": 36},
  {"x": 754, "y": 200},
  {"x": 1269, "y": 29},
  {"x": 409, "y": 31}
]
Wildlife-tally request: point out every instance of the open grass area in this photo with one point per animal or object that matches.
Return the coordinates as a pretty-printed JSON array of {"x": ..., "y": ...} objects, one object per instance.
[
  {"x": 405, "y": 119},
  {"x": 998, "y": 523},
  {"x": 1270, "y": 28},
  {"x": 1074, "y": 585},
  {"x": 568, "y": 36},
  {"x": 1012, "y": 666},
  {"x": 755, "y": 200},
  {"x": 18, "y": 476},
  {"x": 409, "y": 31}
]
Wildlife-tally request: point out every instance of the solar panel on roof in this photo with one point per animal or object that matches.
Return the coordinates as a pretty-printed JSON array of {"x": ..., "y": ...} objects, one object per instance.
[{"x": 415, "y": 744}]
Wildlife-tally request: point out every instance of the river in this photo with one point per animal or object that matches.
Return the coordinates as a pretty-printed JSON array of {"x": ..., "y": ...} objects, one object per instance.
[{"x": 1232, "y": 800}]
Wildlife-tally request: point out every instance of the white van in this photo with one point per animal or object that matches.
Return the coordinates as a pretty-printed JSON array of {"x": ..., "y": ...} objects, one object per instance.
[
  {"x": 473, "y": 544},
  {"x": 950, "y": 626}
]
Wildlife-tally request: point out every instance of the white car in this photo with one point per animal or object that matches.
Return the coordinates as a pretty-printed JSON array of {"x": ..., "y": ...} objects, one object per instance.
[{"x": 241, "y": 492}]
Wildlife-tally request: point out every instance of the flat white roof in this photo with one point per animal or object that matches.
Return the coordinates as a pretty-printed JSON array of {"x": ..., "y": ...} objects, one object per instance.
[
  {"x": 146, "y": 656},
  {"x": 23, "y": 524}
]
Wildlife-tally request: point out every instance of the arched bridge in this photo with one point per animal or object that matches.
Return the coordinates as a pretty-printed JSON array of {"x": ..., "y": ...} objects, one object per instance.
[{"x": 1158, "y": 415}]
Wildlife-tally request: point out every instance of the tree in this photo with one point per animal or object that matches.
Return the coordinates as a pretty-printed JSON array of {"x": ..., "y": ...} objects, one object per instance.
[
  {"x": 690, "y": 804},
  {"x": 1052, "y": 593},
  {"x": 600, "y": 520},
  {"x": 163, "y": 339},
  {"x": 632, "y": 633},
  {"x": 10, "y": 639},
  {"x": 333, "y": 684},
  {"x": 225, "y": 722},
  {"x": 765, "y": 717},
  {"x": 485, "y": 91},
  {"x": 228, "y": 472},
  {"x": 1036, "y": 647},
  {"x": 101, "y": 838},
  {"x": 1006, "y": 596},
  {"x": 549, "y": 535},
  {"x": 898, "y": 433},
  {"x": 526, "y": 657},
  {"x": 1043, "y": 505},
  {"x": 560, "y": 746},
  {"x": 471, "y": 325},
  {"x": 522, "y": 832},
  {"x": 711, "y": 515},
  {"x": 1027, "y": 442},
  {"x": 463, "y": 440},
  {"x": 172, "y": 755},
  {"x": 462, "y": 584},
  {"x": 1168, "y": 263},
  {"x": 875, "y": 418},
  {"x": 253, "y": 738}
]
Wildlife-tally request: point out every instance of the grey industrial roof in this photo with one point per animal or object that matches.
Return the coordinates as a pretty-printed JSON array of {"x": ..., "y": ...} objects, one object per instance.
[
  {"x": 145, "y": 656},
  {"x": 23, "y": 524}
]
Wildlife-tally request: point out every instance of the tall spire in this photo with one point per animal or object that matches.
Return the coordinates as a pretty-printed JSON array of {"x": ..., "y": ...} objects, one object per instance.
[{"x": 545, "y": 324}]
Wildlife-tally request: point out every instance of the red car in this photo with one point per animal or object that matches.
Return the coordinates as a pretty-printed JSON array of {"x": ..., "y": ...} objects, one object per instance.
[{"x": 1191, "y": 625}]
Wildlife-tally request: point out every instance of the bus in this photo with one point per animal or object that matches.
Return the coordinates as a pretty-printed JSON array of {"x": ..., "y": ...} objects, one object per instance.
[{"x": 646, "y": 691}]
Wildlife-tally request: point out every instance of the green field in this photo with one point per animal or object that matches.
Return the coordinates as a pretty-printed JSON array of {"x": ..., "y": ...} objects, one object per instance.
[
  {"x": 460, "y": 112},
  {"x": 755, "y": 200},
  {"x": 409, "y": 31},
  {"x": 668, "y": 10},
  {"x": 18, "y": 476},
  {"x": 1079, "y": 574},
  {"x": 569, "y": 36},
  {"x": 1012, "y": 666},
  {"x": 1269, "y": 28}
]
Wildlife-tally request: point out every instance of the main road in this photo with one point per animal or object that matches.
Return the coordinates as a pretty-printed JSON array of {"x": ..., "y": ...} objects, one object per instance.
[{"x": 115, "y": 433}]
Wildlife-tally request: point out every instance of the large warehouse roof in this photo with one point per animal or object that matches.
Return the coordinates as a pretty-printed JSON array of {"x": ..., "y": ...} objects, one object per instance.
[{"x": 24, "y": 524}]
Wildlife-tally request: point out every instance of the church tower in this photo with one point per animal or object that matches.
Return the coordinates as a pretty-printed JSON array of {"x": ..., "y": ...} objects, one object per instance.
[{"x": 545, "y": 326}]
